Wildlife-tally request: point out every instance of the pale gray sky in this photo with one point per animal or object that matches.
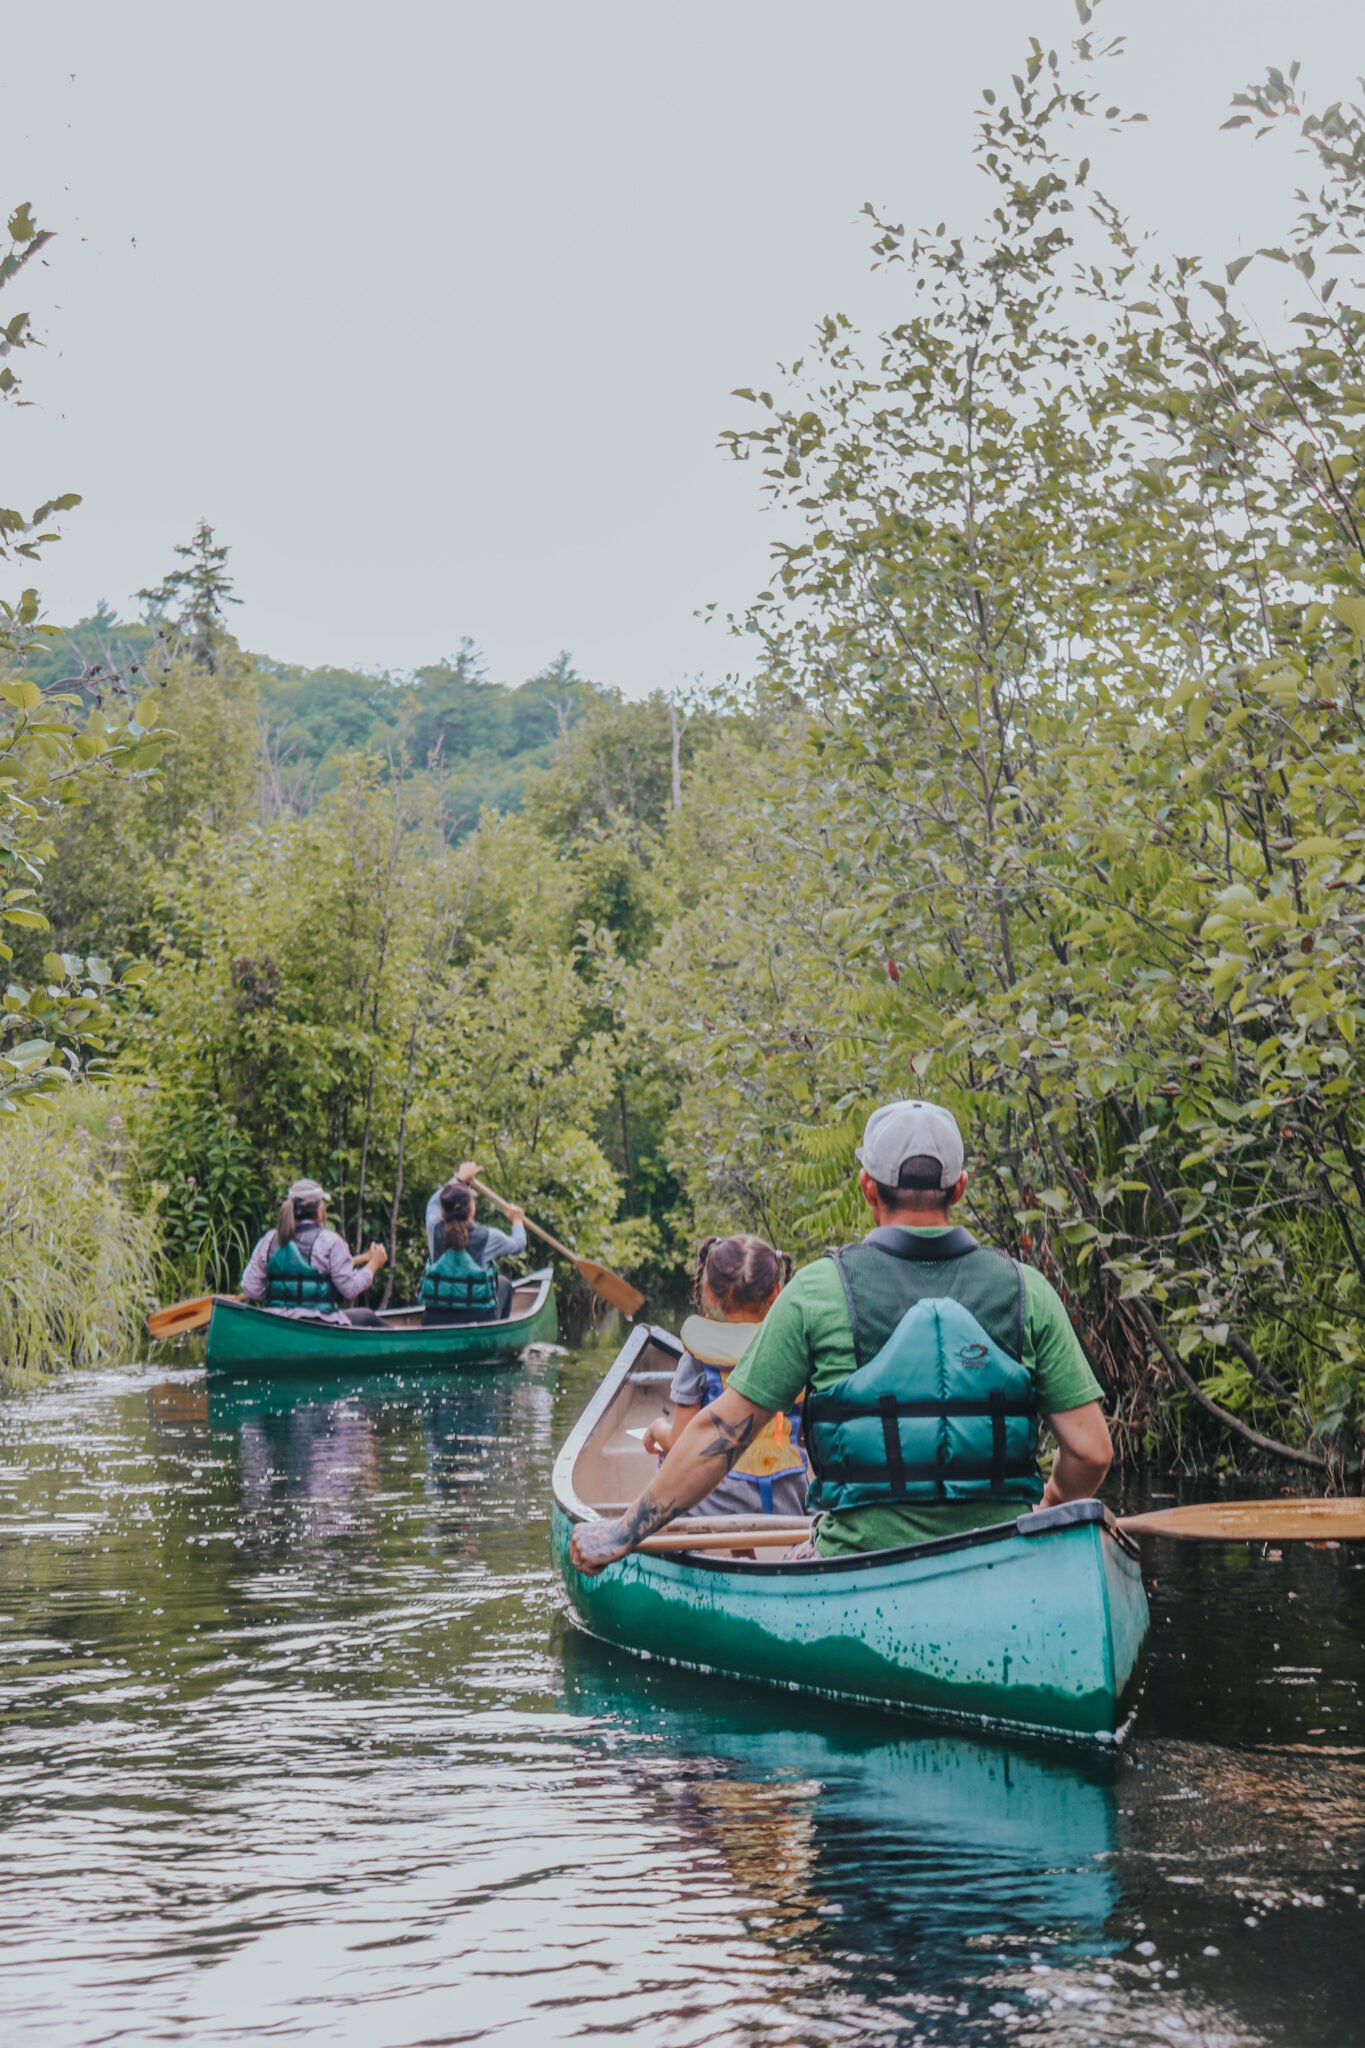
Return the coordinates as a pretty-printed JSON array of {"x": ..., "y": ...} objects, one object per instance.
[{"x": 432, "y": 307}]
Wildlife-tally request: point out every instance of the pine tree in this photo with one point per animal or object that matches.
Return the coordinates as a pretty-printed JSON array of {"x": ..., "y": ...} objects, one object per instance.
[{"x": 196, "y": 596}]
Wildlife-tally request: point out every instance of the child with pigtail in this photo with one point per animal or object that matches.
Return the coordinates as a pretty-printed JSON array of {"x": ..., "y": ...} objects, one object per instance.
[{"x": 737, "y": 1280}]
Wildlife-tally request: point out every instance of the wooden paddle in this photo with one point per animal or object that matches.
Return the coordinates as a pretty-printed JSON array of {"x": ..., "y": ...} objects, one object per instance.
[
  {"x": 1232, "y": 1521},
  {"x": 601, "y": 1279},
  {"x": 1304, "y": 1520},
  {"x": 183, "y": 1317},
  {"x": 718, "y": 1539}
]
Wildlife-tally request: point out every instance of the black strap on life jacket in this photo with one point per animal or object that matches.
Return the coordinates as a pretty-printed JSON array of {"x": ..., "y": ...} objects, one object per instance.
[
  {"x": 954, "y": 1243},
  {"x": 997, "y": 1469},
  {"x": 891, "y": 1442}
]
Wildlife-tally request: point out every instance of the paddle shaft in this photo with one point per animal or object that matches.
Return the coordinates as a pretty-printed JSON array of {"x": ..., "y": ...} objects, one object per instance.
[
  {"x": 610, "y": 1286},
  {"x": 498, "y": 1203},
  {"x": 1308, "y": 1520},
  {"x": 741, "y": 1539}
]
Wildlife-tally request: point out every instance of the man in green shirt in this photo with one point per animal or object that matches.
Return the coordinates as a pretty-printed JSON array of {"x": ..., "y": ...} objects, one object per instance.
[{"x": 927, "y": 1362}]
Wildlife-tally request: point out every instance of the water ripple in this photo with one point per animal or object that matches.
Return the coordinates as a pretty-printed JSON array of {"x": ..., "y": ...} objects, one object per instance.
[{"x": 295, "y": 1744}]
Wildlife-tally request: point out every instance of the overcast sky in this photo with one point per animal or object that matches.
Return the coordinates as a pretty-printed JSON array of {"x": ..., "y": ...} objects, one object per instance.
[{"x": 433, "y": 307}]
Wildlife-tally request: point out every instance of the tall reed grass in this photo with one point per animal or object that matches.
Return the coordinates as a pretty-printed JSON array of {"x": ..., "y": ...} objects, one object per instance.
[{"x": 78, "y": 1261}]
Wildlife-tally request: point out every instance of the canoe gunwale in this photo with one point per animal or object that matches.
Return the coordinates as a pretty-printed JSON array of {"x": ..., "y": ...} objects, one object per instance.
[{"x": 1038, "y": 1522}]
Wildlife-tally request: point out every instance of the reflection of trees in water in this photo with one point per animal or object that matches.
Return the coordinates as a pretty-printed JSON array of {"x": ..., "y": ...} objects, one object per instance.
[{"x": 489, "y": 1431}]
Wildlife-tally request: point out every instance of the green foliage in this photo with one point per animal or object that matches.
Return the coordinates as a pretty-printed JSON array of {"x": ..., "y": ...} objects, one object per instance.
[
  {"x": 347, "y": 996},
  {"x": 108, "y": 858},
  {"x": 1048, "y": 801},
  {"x": 77, "y": 1258},
  {"x": 475, "y": 739},
  {"x": 1071, "y": 599}
]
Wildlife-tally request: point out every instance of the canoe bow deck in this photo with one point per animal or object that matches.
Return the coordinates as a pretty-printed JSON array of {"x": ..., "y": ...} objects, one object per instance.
[
  {"x": 245, "y": 1339},
  {"x": 1035, "y": 1623}
]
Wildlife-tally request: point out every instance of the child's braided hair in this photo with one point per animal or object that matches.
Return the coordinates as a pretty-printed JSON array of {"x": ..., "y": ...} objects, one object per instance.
[{"x": 739, "y": 1272}]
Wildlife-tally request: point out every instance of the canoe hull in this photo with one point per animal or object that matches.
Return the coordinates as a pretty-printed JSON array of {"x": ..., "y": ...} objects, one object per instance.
[
  {"x": 1041, "y": 1631},
  {"x": 252, "y": 1340}
]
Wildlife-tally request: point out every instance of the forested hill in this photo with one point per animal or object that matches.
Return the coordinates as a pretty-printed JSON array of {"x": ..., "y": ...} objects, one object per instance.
[{"x": 479, "y": 737}]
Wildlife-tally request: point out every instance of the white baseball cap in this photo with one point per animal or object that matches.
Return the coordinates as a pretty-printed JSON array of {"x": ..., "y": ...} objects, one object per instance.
[
  {"x": 911, "y": 1130},
  {"x": 308, "y": 1191}
]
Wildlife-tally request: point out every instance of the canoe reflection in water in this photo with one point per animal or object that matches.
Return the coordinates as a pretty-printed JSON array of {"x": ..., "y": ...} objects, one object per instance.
[
  {"x": 845, "y": 1838},
  {"x": 338, "y": 1445}
]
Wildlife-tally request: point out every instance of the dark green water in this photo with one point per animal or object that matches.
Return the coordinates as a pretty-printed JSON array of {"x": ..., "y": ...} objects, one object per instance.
[{"x": 296, "y": 1745}]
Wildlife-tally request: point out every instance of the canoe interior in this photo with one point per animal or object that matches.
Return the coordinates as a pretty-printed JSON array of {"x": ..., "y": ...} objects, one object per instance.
[{"x": 611, "y": 1467}]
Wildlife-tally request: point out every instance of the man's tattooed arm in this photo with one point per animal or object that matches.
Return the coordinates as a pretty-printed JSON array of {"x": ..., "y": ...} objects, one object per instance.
[
  {"x": 721, "y": 1432},
  {"x": 732, "y": 1439}
]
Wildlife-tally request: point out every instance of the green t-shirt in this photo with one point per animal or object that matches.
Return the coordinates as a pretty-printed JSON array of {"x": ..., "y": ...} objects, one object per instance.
[{"x": 806, "y": 1342}]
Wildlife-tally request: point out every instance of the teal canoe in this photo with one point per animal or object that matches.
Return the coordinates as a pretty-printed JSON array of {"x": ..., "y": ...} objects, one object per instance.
[
  {"x": 1036, "y": 1623},
  {"x": 243, "y": 1339}
]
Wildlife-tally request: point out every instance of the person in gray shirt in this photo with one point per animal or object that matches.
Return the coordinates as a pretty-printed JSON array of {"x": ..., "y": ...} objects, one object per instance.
[
  {"x": 301, "y": 1268},
  {"x": 486, "y": 1244}
]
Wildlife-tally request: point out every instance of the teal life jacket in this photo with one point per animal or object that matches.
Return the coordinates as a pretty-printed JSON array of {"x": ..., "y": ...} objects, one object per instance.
[
  {"x": 291, "y": 1279},
  {"x": 458, "y": 1285},
  {"x": 940, "y": 1406}
]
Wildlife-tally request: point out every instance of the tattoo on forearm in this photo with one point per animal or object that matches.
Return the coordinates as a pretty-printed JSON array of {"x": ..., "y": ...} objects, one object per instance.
[
  {"x": 655, "y": 1509},
  {"x": 646, "y": 1515},
  {"x": 732, "y": 1439}
]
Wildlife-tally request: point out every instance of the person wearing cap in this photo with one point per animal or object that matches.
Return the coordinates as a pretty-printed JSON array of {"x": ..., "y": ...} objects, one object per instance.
[
  {"x": 928, "y": 1362},
  {"x": 303, "y": 1268}
]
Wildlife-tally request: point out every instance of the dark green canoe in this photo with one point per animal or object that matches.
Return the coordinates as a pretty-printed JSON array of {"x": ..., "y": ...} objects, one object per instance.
[
  {"x": 243, "y": 1339},
  {"x": 1037, "y": 1623}
]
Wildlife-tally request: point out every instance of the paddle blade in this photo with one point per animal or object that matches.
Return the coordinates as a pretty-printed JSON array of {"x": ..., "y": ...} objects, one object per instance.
[
  {"x": 611, "y": 1287},
  {"x": 1256, "y": 1521},
  {"x": 180, "y": 1320}
]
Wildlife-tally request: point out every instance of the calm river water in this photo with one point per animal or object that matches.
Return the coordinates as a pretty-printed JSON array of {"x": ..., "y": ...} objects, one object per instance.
[{"x": 297, "y": 1745}]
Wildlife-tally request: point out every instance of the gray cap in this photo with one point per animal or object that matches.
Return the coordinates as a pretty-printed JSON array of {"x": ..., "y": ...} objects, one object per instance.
[
  {"x": 308, "y": 1191},
  {"x": 911, "y": 1130}
]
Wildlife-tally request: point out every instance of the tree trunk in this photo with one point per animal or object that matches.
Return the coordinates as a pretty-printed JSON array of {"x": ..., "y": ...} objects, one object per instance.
[
  {"x": 625, "y": 1147},
  {"x": 675, "y": 740}
]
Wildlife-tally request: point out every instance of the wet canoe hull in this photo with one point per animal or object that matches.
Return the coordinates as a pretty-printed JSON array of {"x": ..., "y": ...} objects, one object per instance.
[
  {"x": 251, "y": 1340},
  {"x": 1042, "y": 1630},
  {"x": 1037, "y": 1622}
]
